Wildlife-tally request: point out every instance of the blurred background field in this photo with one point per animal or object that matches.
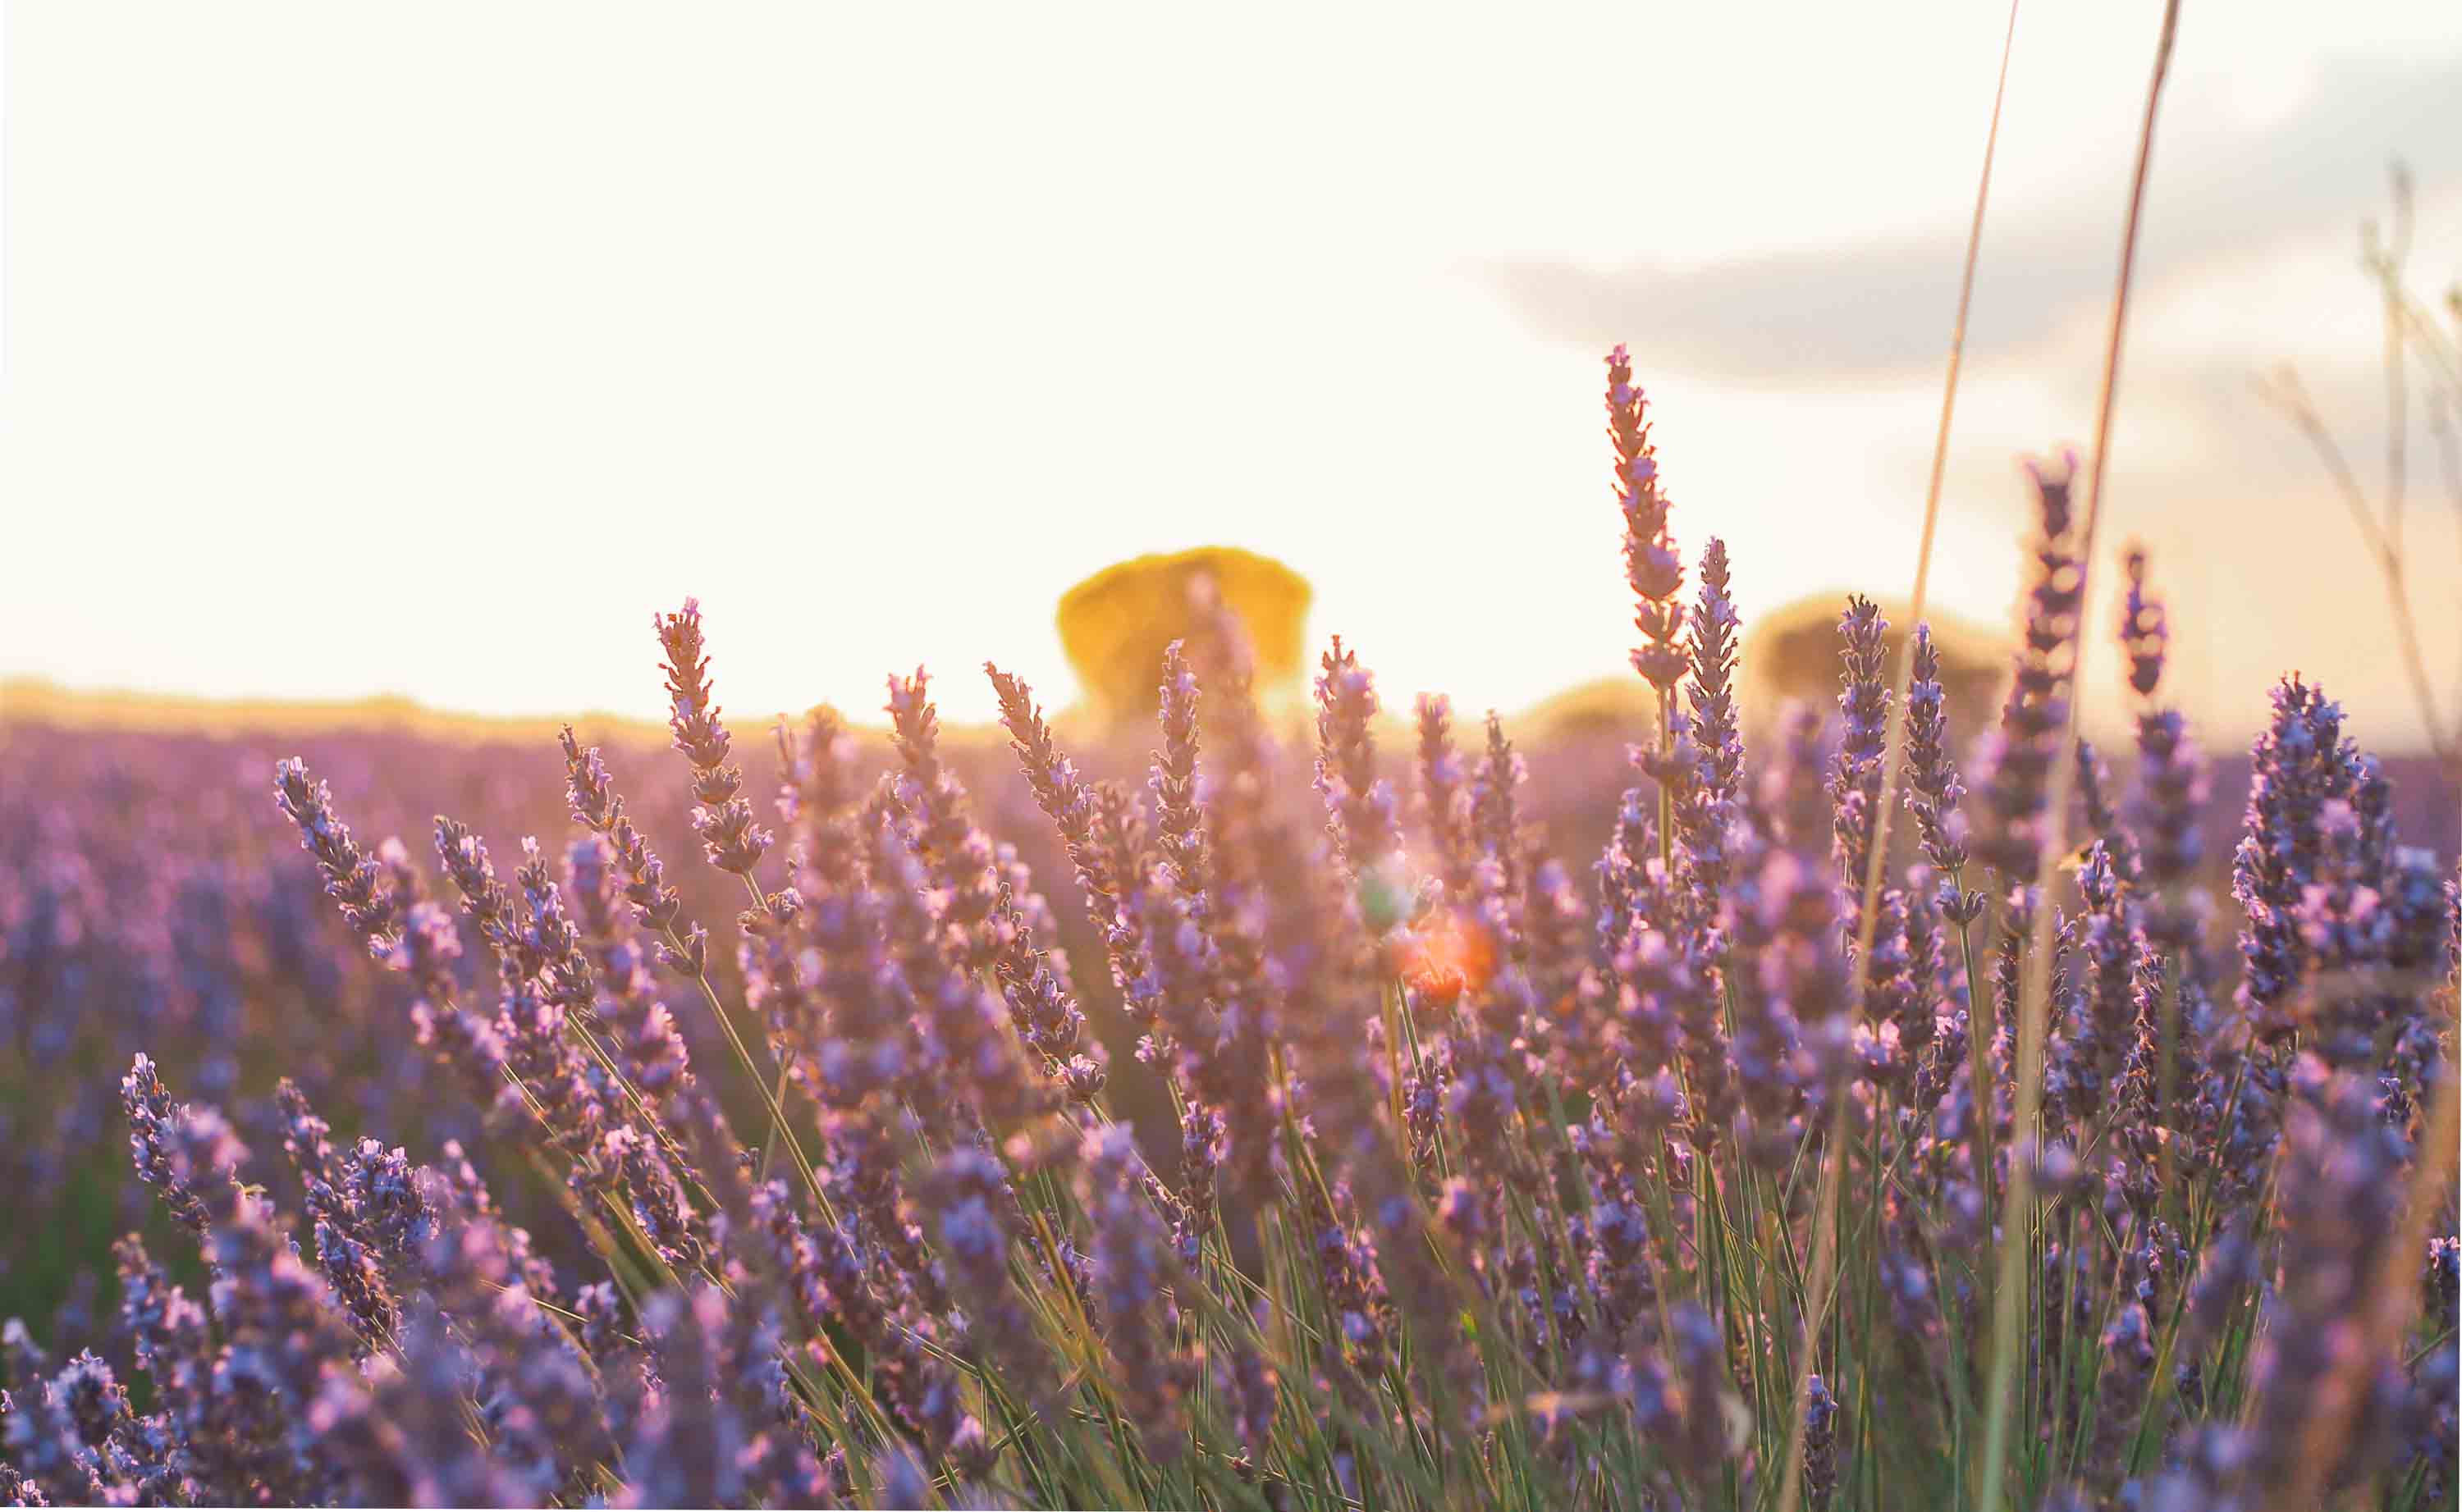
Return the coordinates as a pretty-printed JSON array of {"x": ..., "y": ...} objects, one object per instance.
[{"x": 152, "y": 898}]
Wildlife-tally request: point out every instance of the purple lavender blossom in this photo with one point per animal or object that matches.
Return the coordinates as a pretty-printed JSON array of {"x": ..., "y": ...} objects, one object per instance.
[
  {"x": 1359, "y": 804},
  {"x": 2164, "y": 814},
  {"x": 1443, "y": 800},
  {"x": 1179, "y": 821},
  {"x": 1792, "y": 806},
  {"x": 2340, "y": 1195},
  {"x": 596, "y": 808},
  {"x": 969, "y": 1204},
  {"x": 2145, "y": 629},
  {"x": 1916, "y": 1009},
  {"x": 1855, "y": 773},
  {"x": 2102, "y": 1019},
  {"x": 958, "y": 854},
  {"x": 723, "y": 819},
  {"x": 540, "y": 989},
  {"x": 647, "y": 1045},
  {"x": 356, "y": 880},
  {"x": 1764, "y": 1048},
  {"x": 1715, "y": 731},
  {"x": 2012, "y": 767},
  {"x": 2102, "y": 819},
  {"x": 1079, "y": 810},
  {"x": 960, "y": 1021},
  {"x": 1496, "y": 820},
  {"x": 1135, "y": 1271},
  {"x": 981, "y": 910},
  {"x": 827, "y": 1277},
  {"x": 1820, "y": 1443},
  {"x": 1716, "y": 630},
  {"x": 152, "y": 1119},
  {"x": 2301, "y": 764},
  {"x": 1933, "y": 786},
  {"x": 691, "y": 1443},
  {"x": 350, "y": 1265},
  {"x": 2127, "y": 1376},
  {"x": 1653, "y": 569}
]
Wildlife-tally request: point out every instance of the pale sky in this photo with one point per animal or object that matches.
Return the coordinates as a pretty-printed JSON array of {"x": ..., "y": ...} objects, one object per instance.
[{"x": 430, "y": 350}]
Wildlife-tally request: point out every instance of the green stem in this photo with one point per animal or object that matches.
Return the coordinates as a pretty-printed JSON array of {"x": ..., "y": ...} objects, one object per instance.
[{"x": 1981, "y": 1011}]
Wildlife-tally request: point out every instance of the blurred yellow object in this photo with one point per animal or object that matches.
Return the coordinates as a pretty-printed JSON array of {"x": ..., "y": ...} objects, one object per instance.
[
  {"x": 1116, "y": 624},
  {"x": 1791, "y": 652}
]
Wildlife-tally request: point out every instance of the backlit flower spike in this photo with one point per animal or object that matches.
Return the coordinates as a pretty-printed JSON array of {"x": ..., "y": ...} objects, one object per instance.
[
  {"x": 723, "y": 819},
  {"x": 1360, "y": 806},
  {"x": 1653, "y": 569},
  {"x": 1080, "y": 811},
  {"x": 354, "y": 878},
  {"x": 2145, "y": 628},
  {"x": 2013, "y": 764},
  {"x": 1855, "y": 770},
  {"x": 1933, "y": 789},
  {"x": 1442, "y": 803}
]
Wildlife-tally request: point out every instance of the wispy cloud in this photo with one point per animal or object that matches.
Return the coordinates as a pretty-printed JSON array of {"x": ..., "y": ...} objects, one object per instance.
[{"x": 1824, "y": 315}]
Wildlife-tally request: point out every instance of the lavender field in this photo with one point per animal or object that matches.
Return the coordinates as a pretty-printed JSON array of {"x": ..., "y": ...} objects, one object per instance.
[{"x": 1387, "y": 1114}]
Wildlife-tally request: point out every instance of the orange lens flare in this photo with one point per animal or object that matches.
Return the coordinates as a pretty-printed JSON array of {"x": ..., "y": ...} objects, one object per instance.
[{"x": 1446, "y": 956}]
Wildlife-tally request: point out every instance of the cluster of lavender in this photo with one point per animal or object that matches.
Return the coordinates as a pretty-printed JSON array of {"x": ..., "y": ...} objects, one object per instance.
[{"x": 1435, "y": 1180}]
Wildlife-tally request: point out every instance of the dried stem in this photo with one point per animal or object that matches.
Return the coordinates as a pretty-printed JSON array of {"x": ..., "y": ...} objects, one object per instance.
[
  {"x": 1822, "y": 1290},
  {"x": 2034, "y": 1000}
]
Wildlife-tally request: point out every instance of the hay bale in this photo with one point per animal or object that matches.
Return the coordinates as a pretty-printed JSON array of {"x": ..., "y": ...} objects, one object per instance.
[
  {"x": 1619, "y": 708},
  {"x": 1115, "y": 625},
  {"x": 1792, "y": 653}
]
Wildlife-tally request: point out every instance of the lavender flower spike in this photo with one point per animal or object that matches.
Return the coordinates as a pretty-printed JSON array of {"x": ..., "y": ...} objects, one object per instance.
[
  {"x": 1078, "y": 808},
  {"x": 1932, "y": 787},
  {"x": 1443, "y": 799},
  {"x": 1179, "y": 816},
  {"x": 152, "y": 1119},
  {"x": 2145, "y": 629},
  {"x": 353, "y": 877},
  {"x": 2014, "y": 765},
  {"x": 1717, "y": 723},
  {"x": 2163, "y": 814},
  {"x": 1651, "y": 565},
  {"x": 1855, "y": 776},
  {"x": 1360, "y": 803},
  {"x": 2300, "y": 765},
  {"x": 1134, "y": 1272},
  {"x": 723, "y": 819}
]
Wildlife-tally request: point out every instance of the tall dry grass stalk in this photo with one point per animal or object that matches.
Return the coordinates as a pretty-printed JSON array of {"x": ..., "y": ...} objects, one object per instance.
[
  {"x": 2034, "y": 1002},
  {"x": 1824, "y": 1260}
]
